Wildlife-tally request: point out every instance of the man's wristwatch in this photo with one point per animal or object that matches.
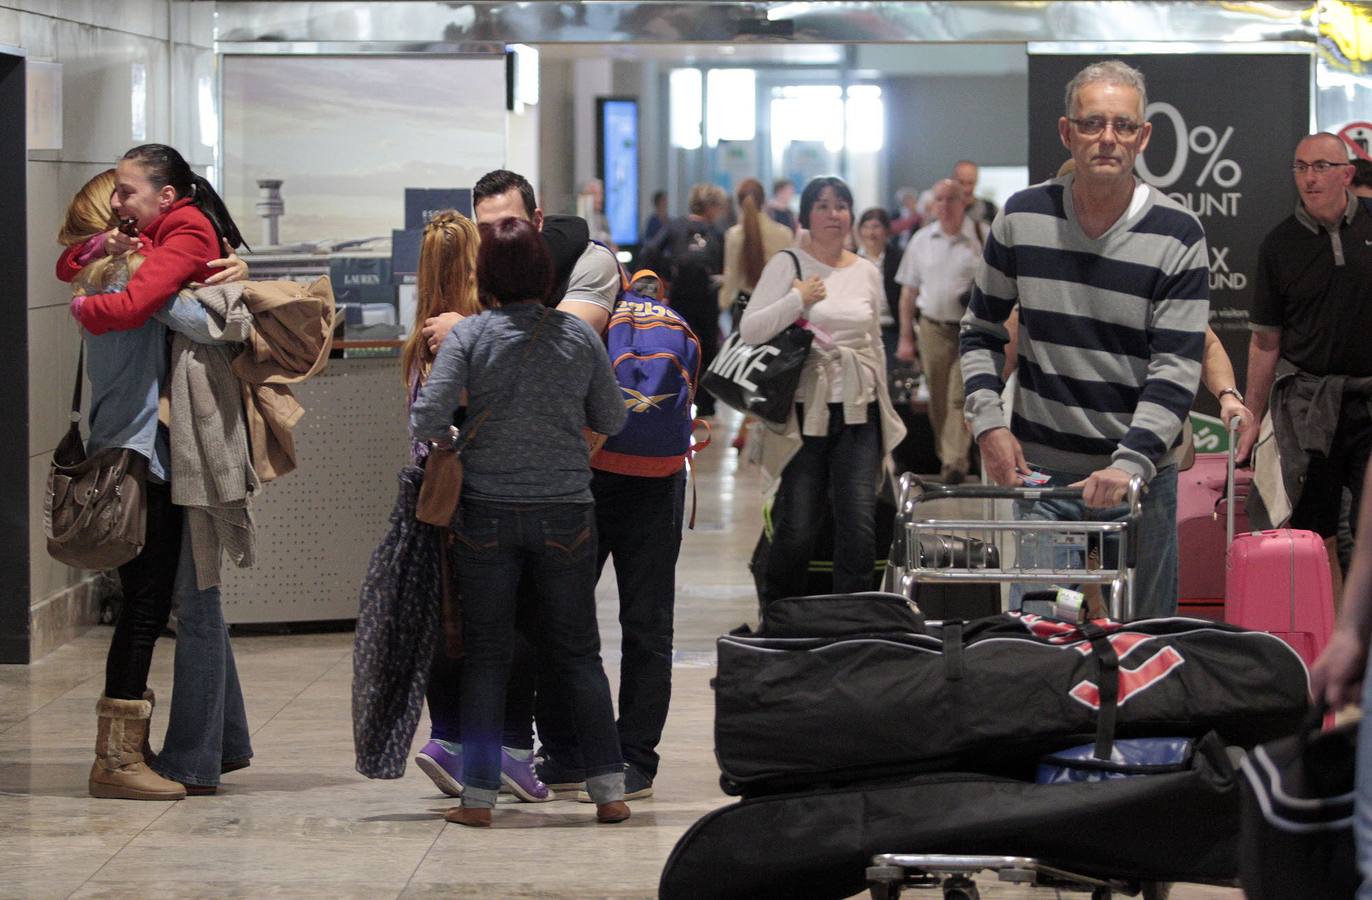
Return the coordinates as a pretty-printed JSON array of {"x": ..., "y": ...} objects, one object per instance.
[{"x": 1230, "y": 390}]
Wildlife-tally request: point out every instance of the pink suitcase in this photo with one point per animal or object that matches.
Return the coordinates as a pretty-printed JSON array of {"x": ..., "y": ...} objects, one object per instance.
[
  {"x": 1202, "y": 510},
  {"x": 1275, "y": 581},
  {"x": 1278, "y": 581}
]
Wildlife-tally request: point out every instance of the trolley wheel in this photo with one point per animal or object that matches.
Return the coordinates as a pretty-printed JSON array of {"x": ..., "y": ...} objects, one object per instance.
[
  {"x": 1155, "y": 890},
  {"x": 960, "y": 887},
  {"x": 885, "y": 882},
  {"x": 1102, "y": 893}
]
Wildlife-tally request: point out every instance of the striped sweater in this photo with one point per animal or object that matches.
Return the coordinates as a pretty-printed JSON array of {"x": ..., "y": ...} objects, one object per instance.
[{"x": 1111, "y": 330}]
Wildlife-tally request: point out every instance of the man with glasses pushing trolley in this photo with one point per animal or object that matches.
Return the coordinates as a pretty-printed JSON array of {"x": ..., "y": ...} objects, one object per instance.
[{"x": 1111, "y": 278}]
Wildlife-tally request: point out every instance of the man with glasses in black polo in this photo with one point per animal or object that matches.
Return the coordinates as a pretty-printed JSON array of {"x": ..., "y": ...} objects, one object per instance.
[
  {"x": 1111, "y": 279},
  {"x": 1312, "y": 308}
]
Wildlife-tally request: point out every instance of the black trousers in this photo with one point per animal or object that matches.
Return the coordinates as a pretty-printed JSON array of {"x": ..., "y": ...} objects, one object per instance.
[
  {"x": 1322, "y": 496},
  {"x": 147, "y": 581}
]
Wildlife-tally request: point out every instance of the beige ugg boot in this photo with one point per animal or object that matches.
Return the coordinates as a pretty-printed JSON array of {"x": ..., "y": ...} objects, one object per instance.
[{"x": 119, "y": 772}]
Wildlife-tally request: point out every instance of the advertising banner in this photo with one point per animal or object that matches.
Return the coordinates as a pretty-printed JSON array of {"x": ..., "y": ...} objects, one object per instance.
[{"x": 1225, "y": 127}]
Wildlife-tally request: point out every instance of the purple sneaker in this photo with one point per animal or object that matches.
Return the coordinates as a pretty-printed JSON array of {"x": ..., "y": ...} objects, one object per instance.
[
  {"x": 443, "y": 767},
  {"x": 519, "y": 776}
]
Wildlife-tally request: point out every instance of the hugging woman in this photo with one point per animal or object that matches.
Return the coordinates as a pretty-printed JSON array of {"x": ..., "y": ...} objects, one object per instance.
[
  {"x": 534, "y": 378},
  {"x": 126, "y": 300}
]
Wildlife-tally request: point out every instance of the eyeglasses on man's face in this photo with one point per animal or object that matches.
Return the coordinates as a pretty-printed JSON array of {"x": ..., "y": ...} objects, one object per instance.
[
  {"x": 1094, "y": 125},
  {"x": 1320, "y": 167}
]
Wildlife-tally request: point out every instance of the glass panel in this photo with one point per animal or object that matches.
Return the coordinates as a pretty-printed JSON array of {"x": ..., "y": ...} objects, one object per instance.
[
  {"x": 866, "y": 119},
  {"x": 733, "y": 105},
  {"x": 685, "y": 102},
  {"x": 807, "y": 131}
]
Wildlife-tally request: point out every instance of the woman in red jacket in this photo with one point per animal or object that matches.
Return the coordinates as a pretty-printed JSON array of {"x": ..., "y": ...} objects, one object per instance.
[{"x": 181, "y": 223}]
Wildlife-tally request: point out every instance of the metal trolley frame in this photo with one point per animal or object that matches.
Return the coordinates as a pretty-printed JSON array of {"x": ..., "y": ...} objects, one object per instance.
[
  {"x": 891, "y": 873},
  {"x": 907, "y": 565},
  {"x": 936, "y": 561}
]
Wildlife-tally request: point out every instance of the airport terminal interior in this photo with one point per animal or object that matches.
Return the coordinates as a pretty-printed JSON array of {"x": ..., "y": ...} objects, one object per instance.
[{"x": 333, "y": 131}]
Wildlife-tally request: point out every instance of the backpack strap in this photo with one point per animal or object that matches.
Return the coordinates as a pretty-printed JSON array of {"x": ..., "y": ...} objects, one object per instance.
[{"x": 690, "y": 467}]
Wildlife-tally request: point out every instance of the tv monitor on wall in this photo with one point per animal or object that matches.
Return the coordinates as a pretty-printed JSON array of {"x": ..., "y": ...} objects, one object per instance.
[{"x": 617, "y": 165}]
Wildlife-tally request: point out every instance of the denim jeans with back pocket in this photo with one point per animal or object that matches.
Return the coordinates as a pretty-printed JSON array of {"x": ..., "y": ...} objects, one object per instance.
[{"x": 554, "y": 545}]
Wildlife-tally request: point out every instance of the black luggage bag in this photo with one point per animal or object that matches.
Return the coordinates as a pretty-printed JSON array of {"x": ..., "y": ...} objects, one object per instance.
[
  {"x": 1179, "y": 826},
  {"x": 1296, "y": 838},
  {"x": 842, "y": 705},
  {"x": 820, "y": 577}
]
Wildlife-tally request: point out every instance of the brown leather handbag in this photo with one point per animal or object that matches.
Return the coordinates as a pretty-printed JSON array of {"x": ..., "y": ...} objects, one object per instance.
[
  {"x": 441, "y": 489},
  {"x": 95, "y": 513}
]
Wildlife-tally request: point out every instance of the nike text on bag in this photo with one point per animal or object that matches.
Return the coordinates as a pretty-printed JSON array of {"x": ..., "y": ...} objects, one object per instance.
[
  {"x": 656, "y": 360},
  {"x": 761, "y": 380}
]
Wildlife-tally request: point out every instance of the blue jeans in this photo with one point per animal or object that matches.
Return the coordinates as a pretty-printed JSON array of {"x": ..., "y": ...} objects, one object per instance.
[
  {"x": 444, "y": 694},
  {"x": 1155, "y": 581},
  {"x": 208, "y": 724},
  {"x": 837, "y": 471},
  {"x": 638, "y": 522},
  {"x": 553, "y": 545}
]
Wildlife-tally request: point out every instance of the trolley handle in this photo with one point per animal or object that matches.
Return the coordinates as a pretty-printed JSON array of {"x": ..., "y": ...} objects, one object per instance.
[
  {"x": 1133, "y": 497},
  {"x": 1234, "y": 425},
  {"x": 937, "y": 491}
]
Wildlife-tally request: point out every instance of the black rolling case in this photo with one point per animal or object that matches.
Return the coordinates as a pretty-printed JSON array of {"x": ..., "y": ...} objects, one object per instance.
[
  {"x": 1179, "y": 826},
  {"x": 820, "y": 578}
]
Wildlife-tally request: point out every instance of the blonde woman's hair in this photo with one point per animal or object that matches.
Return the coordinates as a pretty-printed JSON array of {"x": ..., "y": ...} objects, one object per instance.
[
  {"x": 447, "y": 283},
  {"x": 88, "y": 215},
  {"x": 751, "y": 197},
  {"x": 704, "y": 195}
]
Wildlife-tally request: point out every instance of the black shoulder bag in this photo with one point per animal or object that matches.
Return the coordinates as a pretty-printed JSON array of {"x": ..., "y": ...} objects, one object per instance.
[{"x": 761, "y": 380}]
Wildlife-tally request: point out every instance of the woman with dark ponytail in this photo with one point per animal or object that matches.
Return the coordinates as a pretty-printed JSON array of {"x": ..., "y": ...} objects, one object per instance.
[
  {"x": 180, "y": 223},
  {"x": 749, "y": 244}
]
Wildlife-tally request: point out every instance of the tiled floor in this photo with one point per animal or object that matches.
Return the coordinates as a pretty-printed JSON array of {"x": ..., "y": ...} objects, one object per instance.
[{"x": 302, "y": 823}]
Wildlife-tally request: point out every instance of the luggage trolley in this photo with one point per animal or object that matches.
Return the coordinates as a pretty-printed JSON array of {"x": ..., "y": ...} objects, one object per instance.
[
  {"x": 1067, "y": 545},
  {"x": 890, "y": 873}
]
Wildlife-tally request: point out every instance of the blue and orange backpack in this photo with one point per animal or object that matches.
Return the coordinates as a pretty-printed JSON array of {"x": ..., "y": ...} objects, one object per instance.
[{"x": 656, "y": 360}]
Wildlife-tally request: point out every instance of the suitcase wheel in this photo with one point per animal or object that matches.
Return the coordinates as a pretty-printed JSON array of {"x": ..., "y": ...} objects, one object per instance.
[
  {"x": 960, "y": 887},
  {"x": 885, "y": 882}
]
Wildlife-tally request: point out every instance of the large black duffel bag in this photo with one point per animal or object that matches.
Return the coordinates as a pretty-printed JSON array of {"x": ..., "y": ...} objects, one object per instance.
[
  {"x": 988, "y": 696},
  {"x": 1179, "y": 826}
]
